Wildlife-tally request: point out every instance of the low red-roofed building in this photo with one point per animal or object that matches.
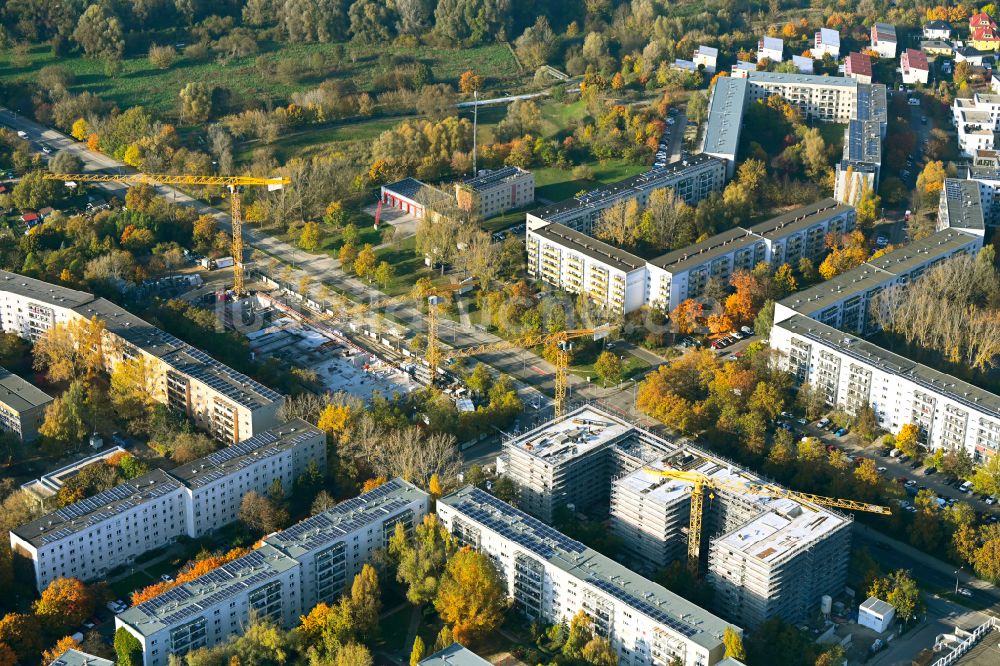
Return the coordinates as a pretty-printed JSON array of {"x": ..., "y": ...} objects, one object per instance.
[
  {"x": 914, "y": 66},
  {"x": 859, "y": 66},
  {"x": 29, "y": 216}
]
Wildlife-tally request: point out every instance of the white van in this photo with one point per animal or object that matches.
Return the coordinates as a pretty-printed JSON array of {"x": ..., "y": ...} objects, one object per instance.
[
  {"x": 895, "y": 453},
  {"x": 966, "y": 487}
]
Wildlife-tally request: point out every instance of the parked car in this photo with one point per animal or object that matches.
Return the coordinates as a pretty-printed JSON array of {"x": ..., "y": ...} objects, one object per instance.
[
  {"x": 802, "y": 421},
  {"x": 840, "y": 432},
  {"x": 916, "y": 464},
  {"x": 881, "y": 470},
  {"x": 904, "y": 458},
  {"x": 746, "y": 330},
  {"x": 166, "y": 578},
  {"x": 881, "y": 241},
  {"x": 991, "y": 500},
  {"x": 965, "y": 592},
  {"x": 823, "y": 422},
  {"x": 929, "y": 471}
]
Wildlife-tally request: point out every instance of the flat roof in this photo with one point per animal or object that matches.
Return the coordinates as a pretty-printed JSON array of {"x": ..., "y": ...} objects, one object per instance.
[
  {"x": 963, "y": 203},
  {"x": 725, "y": 116},
  {"x": 876, "y": 605},
  {"x": 20, "y": 395},
  {"x": 928, "y": 378},
  {"x": 45, "y": 292},
  {"x": 74, "y": 657},
  {"x": 878, "y": 272},
  {"x": 785, "y": 528},
  {"x": 655, "y": 178},
  {"x": 185, "y": 601},
  {"x": 606, "y": 575},
  {"x": 345, "y": 518},
  {"x": 710, "y": 248},
  {"x": 454, "y": 655},
  {"x": 574, "y": 435},
  {"x": 863, "y": 141},
  {"x": 799, "y": 218},
  {"x": 234, "y": 457},
  {"x": 589, "y": 246},
  {"x": 802, "y": 79},
  {"x": 78, "y": 516},
  {"x": 492, "y": 177}
]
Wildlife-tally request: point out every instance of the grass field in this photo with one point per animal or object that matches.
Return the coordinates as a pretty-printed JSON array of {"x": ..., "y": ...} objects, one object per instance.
[
  {"x": 306, "y": 142},
  {"x": 557, "y": 184},
  {"x": 142, "y": 84}
]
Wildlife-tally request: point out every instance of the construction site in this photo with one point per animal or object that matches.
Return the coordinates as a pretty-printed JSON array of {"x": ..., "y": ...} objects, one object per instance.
[{"x": 766, "y": 551}]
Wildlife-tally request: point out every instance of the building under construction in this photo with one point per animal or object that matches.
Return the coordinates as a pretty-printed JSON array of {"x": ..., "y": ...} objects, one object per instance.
[{"x": 767, "y": 556}]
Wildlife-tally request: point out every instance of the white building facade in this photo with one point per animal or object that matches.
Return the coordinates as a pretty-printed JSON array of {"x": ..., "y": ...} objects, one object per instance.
[
  {"x": 281, "y": 580},
  {"x": 494, "y": 192},
  {"x": 91, "y": 537},
  {"x": 551, "y": 577}
]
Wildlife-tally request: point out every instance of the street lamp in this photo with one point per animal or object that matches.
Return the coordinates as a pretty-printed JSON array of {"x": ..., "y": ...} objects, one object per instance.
[{"x": 956, "y": 578}]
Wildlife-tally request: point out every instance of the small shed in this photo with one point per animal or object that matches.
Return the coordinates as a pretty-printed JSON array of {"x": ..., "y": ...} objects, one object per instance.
[{"x": 876, "y": 614}]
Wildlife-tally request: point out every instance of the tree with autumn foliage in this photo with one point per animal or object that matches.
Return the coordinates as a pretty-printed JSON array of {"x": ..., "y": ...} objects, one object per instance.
[
  {"x": 422, "y": 559},
  {"x": 469, "y": 82},
  {"x": 743, "y": 304},
  {"x": 22, "y": 633},
  {"x": 64, "y": 604},
  {"x": 719, "y": 324},
  {"x": 195, "y": 569},
  {"x": 849, "y": 251},
  {"x": 472, "y": 597},
  {"x": 54, "y": 652},
  {"x": 907, "y": 439},
  {"x": 71, "y": 350},
  {"x": 686, "y": 315},
  {"x": 373, "y": 483}
]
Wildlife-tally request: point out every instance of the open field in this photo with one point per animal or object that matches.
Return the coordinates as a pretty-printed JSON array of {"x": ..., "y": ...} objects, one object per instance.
[
  {"x": 556, "y": 184},
  {"x": 139, "y": 83}
]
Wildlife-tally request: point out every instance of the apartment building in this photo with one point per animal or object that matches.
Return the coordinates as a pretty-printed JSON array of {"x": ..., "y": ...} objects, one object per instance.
[
  {"x": 281, "y": 580},
  {"x": 984, "y": 171},
  {"x": 858, "y": 66},
  {"x": 91, "y": 537},
  {"x": 859, "y": 168},
  {"x": 495, "y": 192},
  {"x": 74, "y": 657},
  {"x": 884, "y": 39},
  {"x": 221, "y": 400},
  {"x": 551, "y": 577},
  {"x": 977, "y": 121},
  {"x": 826, "y": 42},
  {"x": 950, "y": 413},
  {"x": 829, "y": 98},
  {"x": 22, "y": 406},
  {"x": 767, "y": 557},
  {"x": 725, "y": 120},
  {"x": 961, "y": 205},
  {"x": 692, "y": 179},
  {"x": 914, "y": 67},
  {"x": 570, "y": 462},
  {"x": 685, "y": 273},
  {"x": 580, "y": 264},
  {"x": 706, "y": 57},
  {"x": 845, "y": 301},
  {"x": 983, "y": 32},
  {"x": 771, "y": 49}
]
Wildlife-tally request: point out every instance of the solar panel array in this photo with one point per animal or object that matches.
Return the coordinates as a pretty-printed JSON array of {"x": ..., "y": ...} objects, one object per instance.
[
  {"x": 651, "y": 611},
  {"x": 539, "y": 538},
  {"x": 324, "y": 529},
  {"x": 122, "y": 496},
  {"x": 231, "y": 579},
  {"x": 224, "y": 379}
]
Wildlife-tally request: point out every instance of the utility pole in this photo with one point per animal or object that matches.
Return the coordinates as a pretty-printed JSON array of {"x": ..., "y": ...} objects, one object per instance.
[{"x": 475, "y": 124}]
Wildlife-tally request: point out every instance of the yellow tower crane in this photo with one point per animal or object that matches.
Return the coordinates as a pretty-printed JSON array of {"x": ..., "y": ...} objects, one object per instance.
[
  {"x": 562, "y": 360},
  {"x": 234, "y": 183},
  {"x": 701, "y": 481}
]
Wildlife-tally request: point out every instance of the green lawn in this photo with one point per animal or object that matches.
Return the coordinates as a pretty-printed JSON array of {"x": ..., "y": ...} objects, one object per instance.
[
  {"x": 630, "y": 366},
  {"x": 306, "y": 142},
  {"x": 139, "y": 83},
  {"x": 557, "y": 116},
  {"x": 123, "y": 588},
  {"x": 557, "y": 184}
]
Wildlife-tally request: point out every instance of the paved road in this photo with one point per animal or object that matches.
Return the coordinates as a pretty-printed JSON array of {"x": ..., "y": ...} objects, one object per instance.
[{"x": 321, "y": 269}]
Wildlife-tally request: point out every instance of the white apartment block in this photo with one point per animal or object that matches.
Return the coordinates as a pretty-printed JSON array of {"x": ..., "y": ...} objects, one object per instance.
[
  {"x": 884, "y": 39},
  {"x": 977, "y": 121},
  {"x": 221, "y": 400},
  {"x": 691, "y": 179},
  {"x": 830, "y": 98},
  {"x": 826, "y": 42},
  {"x": 767, "y": 557},
  {"x": 725, "y": 120},
  {"x": 495, "y": 192},
  {"x": 950, "y": 413},
  {"x": 22, "y": 406},
  {"x": 770, "y": 48},
  {"x": 91, "y": 537},
  {"x": 984, "y": 171},
  {"x": 963, "y": 204},
  {"x": 282, "y": 580},
  {"x": 624, "y": 282},
  {"x": 551, "y": 577},
  {"x": 706, "y": 57},
  {"x": 682, "y": 274},
  {"x": 580, "y": 264},
  {"x": 845, "y": 300},
  {"x": 73, "y": 657}
]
